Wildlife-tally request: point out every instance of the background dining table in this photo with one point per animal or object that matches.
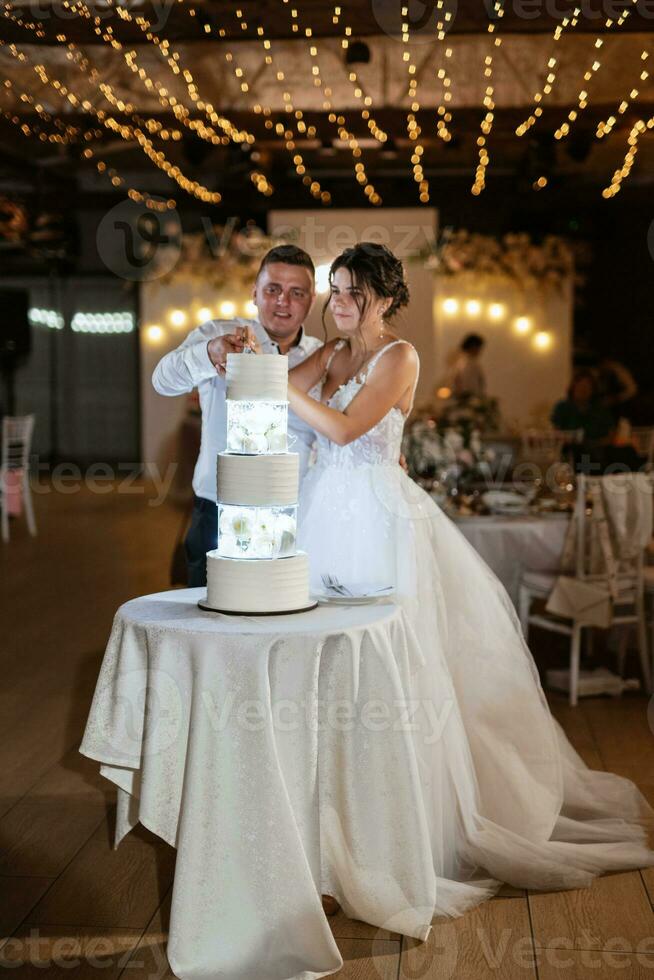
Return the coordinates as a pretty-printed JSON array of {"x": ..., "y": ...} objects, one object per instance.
[{"x": 510, "y": 544}]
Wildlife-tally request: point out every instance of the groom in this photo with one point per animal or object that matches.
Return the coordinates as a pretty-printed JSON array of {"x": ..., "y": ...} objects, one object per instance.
[{"x": 284, "y": 292}]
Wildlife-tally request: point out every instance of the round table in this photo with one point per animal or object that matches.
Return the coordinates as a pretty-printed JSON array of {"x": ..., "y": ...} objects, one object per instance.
[
  {"x": 509, "y": 545},
  {"x": 261, "y": 748}
]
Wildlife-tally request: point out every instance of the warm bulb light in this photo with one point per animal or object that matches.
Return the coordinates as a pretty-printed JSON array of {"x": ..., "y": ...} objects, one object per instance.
[
  {"x": 250, "y": 308},
  {"x": 496, "y": 311},
  {"x": 227, "y": 308},
  {"x": 450, "y": 305},
  {"x": 543, "y": 340},
  {"x": 443, "y": 392},
  {"x": 178, "y": 318},
  {"x": 522, "y": 325},
  {"x": 204, "y": 314},
  {"x": 473, "y": 307},
  {"x": 154, "y": 334},
  {"x": 322, "y": 277}
]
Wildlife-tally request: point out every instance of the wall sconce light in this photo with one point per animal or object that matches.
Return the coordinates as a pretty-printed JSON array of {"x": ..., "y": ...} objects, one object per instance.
[
  {"x": 543, "y": 340},
  {"x": 522, "y": 325},
  {"x": 450, "y": 305},
  {"x": 154, "y": 334},
  {"x": 322, "y": 277},
  {"x": 178, "y": 318}
]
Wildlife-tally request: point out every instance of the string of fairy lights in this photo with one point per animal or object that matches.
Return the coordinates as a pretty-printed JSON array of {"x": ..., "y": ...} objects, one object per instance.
[
  {"x": 339, "y": 120},
  {"x": 443, "y": 114},
  {"x": 582, "y": 99},
  {"x": 299, "y": 129},
  {"x": 486, "y": 124},
  {"x": 605, "y": 126},
  {"x": 127, "y": 133},
  {"x": 192, "y": 110},
  {"x": 412, "y": 127}
]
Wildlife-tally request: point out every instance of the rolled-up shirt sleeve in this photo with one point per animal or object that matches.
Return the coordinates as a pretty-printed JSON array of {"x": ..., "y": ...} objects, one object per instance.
[{"x": 185, "y": 368}]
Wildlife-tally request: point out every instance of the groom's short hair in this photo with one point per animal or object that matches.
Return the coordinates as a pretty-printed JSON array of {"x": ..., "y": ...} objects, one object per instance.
[{"x": 290, "y": 255}]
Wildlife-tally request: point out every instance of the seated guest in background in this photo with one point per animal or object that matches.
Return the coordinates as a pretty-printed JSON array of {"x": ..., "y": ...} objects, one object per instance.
[
  {"x": 467, "y": 376},
  {"x": 583, "y": 410}
]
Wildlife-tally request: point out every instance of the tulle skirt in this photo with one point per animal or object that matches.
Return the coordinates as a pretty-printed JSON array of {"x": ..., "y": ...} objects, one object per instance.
[{"x": 506, "y": 797}]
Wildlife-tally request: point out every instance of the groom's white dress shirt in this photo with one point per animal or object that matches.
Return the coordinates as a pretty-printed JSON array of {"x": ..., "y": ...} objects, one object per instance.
[{"x": 190, "y": 366}]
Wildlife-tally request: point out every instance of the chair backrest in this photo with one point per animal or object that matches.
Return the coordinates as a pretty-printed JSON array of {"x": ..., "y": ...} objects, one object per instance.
[
  {"x": 549, "y": 442},
  {"x": 643, "y": 441},
  {"x": 17, "y": 434},
  {"x": 613, "y": 522}
]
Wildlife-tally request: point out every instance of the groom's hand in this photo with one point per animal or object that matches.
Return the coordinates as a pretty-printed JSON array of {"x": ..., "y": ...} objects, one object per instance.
[{"x": 229, "y": 343}]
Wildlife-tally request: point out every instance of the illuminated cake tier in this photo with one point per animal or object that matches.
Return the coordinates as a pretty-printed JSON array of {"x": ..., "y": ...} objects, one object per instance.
[{"x": 255, "y": 567}]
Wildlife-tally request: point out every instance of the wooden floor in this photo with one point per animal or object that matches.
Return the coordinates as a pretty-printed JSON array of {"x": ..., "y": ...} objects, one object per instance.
[{"x": 71, "y": 906}]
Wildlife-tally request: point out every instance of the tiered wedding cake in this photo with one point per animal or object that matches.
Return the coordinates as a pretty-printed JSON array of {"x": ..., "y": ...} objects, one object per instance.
[{"x": 255, "y": 568}]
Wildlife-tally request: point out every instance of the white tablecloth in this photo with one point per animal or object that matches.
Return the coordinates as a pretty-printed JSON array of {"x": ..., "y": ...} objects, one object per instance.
[
  {"x": 511, "y": 544},
  {"x": 275, "y": 755}
]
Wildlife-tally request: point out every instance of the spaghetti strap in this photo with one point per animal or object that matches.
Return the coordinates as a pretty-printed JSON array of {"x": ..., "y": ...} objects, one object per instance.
[
  {"x": 339, "y": 345},
  {"x": 373, "y": 362}
]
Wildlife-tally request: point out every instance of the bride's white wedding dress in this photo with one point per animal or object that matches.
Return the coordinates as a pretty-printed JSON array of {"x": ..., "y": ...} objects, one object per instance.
[{"x": 506, "y": 797}]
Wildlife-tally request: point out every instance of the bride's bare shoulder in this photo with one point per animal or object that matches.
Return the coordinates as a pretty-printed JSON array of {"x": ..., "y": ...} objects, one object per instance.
[{"x": 400, "y": 355}]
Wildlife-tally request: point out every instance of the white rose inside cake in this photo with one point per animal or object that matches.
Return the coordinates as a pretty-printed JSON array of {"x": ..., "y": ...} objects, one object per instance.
[{"x": 256, "y": 568}]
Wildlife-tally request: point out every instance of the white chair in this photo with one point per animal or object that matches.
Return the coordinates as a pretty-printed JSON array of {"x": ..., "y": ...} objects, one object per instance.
[
  {"x": 627, "y": 601},
  {"x": 548, "y": 443},
  {"x": 648, "y": 575},
  {"x": 643, "y": 440},
  {"x": 16, "y": 446}
]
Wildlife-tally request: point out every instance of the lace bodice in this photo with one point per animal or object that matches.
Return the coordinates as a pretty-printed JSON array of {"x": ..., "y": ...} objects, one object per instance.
[{"x": 378, "y": 446}]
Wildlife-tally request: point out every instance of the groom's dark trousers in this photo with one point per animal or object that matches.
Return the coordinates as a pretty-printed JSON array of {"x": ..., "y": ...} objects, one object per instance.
[{"x": 202, "y": 536}]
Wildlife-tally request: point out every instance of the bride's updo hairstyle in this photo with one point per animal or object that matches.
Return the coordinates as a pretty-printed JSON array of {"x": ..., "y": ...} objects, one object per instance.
[{"x": 376, "y": 271}]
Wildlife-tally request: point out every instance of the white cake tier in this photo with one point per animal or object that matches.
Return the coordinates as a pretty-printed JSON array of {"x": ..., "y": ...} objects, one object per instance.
[
  {"x": 257, "y": 377},
  {"x": 244, "y": 586},
  {"x": 258, "y": 480}
]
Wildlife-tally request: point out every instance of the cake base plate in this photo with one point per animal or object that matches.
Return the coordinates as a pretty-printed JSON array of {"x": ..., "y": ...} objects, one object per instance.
[{"x": 203, "y": 604}]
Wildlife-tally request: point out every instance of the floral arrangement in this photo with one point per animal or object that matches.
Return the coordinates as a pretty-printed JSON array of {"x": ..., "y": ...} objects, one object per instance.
[
  {"x": 445, "y": 446},
  {"x": 514, "y": 257},
  {"x": 221, "y": 255},
  {"x": 449, "y": 456},
  {"x": 467, "y": 414},
  {"x": 256, "y": 532}
]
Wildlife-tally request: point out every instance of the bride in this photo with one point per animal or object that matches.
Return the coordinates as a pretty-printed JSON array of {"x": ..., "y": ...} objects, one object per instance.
[{"x": 507, "y": 798}]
